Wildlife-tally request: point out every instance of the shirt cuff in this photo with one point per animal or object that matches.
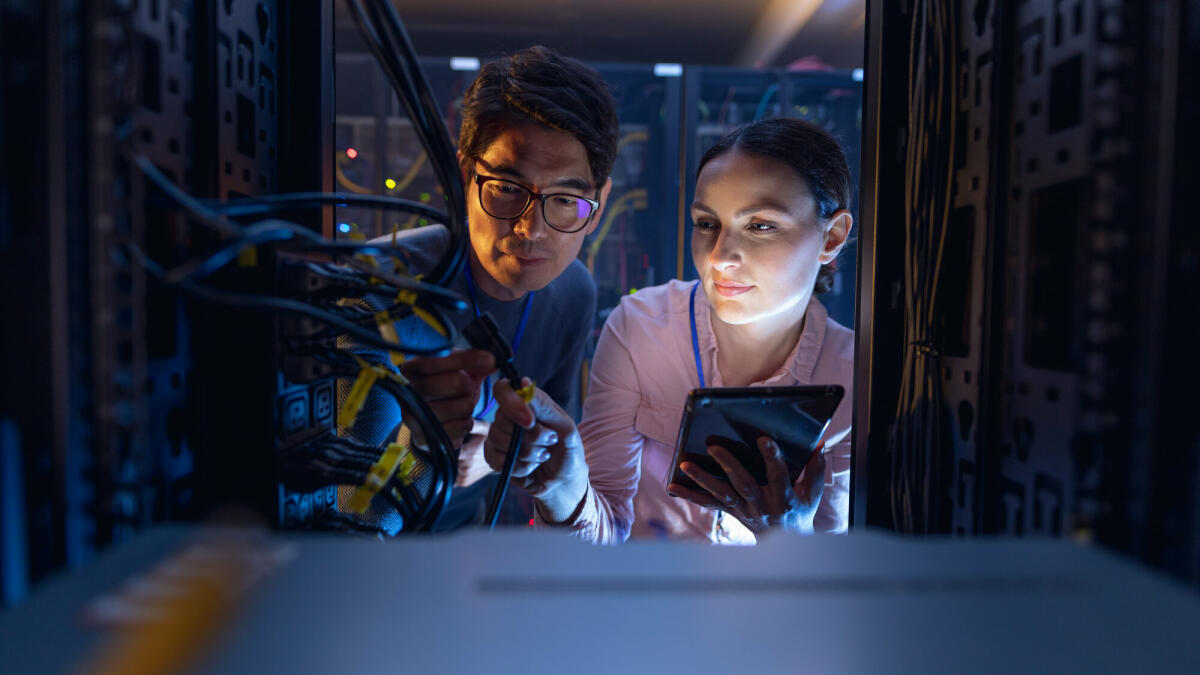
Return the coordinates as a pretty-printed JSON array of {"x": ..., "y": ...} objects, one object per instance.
[{"x": 577, "y": 520}]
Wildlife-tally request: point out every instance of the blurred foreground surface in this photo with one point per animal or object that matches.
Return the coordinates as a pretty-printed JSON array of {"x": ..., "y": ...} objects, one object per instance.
[{"x": 230, "y": 601}]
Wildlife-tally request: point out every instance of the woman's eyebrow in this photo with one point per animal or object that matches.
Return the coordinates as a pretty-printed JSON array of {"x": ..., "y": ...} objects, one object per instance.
[
  {"x": 755, "y": 208},
  {"x": 763, "y": 206}
]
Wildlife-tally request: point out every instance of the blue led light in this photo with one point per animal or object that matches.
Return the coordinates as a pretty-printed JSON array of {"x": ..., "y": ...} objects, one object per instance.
[{"x": 343, "y": 227}]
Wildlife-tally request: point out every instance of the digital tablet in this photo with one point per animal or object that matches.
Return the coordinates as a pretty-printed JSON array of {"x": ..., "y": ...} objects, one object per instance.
[{"x": 734, "y": 418}]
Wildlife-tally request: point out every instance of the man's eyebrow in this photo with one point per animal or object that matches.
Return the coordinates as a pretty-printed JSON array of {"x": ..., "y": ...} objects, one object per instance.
[
  {"x": 501, "y": 170},
  {"x": 572, "y": 182},
  {"x": 508, "y": 171}
]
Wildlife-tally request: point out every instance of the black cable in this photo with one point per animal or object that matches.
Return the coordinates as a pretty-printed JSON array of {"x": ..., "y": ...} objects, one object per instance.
[
  {"x": 439, "y": 457},
  {"x": 277, "y": 202},
  {"x": 384, "y": 34},
  {"x": 271, "y": 303},
  {"x": 197, "y": 268},
  {"x": 441, "y": 449},
  {"x": 343, "y": 285},
  {"x": 195, "y": 208},
  {"x": 345, "y": 524},
  {"x": 501, "y": 491},
  {"x": 483, "y": 333}
]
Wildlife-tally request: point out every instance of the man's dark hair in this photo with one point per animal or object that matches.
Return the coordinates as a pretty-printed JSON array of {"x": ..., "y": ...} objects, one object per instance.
[
  {"x": 540, "y": 85},
  {"x": 810, "y": 151}
]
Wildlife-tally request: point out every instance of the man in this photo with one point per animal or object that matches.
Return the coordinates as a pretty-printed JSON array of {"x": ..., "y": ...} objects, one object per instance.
[{"x": 537, "y": 142}]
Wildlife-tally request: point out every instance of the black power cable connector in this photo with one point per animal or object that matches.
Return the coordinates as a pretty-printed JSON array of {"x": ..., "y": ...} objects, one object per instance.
[{"x": 483, "y": 333}]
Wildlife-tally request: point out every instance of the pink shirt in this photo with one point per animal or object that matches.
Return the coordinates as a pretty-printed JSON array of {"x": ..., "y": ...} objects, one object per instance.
[{"x": 641, "y": 375}]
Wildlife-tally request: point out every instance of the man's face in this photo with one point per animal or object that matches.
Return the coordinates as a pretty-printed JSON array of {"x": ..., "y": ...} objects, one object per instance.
[{"x": 526, "y": 254}]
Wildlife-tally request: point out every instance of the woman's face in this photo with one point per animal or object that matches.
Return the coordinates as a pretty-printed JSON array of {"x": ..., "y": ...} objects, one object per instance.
[{"x": 757, "y": 238}]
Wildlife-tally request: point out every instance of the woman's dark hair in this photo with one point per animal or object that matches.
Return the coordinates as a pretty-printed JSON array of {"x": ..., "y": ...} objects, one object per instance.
[
  {"x": 540, "y": 85},
  {"x": 810, "y": 151}
]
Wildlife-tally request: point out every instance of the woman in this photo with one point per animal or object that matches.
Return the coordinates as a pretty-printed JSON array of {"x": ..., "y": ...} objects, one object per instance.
[{"x": 769, "y": 217}]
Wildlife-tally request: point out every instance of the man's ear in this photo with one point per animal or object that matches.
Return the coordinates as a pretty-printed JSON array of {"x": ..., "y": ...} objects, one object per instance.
[
  {"x": 836, "y": 233},
  {"x": 600, "y": 209},
  {"x": 463, "y": 168}
]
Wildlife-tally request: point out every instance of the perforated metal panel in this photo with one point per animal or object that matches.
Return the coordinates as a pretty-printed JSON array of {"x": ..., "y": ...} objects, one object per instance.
[
  {"x": 1053, "y": 301},
  {"x": 246, "y": 96}
]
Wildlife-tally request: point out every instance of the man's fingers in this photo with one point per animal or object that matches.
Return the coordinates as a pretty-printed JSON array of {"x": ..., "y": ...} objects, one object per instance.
[
  {"x": 534, "y": 448},
  {"x": 542, "y": 407},
  {"x": 541, "y": 436},
  {"x": 452, "y": 409},
  {"x": 511, "y": 406},
  {"x": 451, "y": 384},
  {"x": 523, "y": 469},
  {"x": 456, "y": 430},
  {"x": 474, "y": 362}
]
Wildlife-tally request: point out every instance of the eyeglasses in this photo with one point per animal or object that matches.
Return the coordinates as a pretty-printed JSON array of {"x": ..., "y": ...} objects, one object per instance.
[{"x": 507, "y": 200}]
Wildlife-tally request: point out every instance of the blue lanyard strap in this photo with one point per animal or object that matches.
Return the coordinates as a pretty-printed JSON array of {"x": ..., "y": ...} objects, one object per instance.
[
  {"x": 695, "y": 339},
  {"x": 488, "y": 400}
]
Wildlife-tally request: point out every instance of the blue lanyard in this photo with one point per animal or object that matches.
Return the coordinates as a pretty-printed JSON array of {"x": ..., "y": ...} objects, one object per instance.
[
  {"x": 695, "y": 340},
  {"x": 489, "y": 402}
]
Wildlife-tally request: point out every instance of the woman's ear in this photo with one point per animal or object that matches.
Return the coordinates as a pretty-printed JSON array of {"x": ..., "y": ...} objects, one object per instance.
[{"x": 837, "y": 231}]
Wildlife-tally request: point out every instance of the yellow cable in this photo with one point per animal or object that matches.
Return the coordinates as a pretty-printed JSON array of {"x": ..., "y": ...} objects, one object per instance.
[
  {"x": 347, "y": 183},
  {"x": 412, "y": 173},
  {"x": 636, "y": 198},
  {"x": 632, "y": 137}
]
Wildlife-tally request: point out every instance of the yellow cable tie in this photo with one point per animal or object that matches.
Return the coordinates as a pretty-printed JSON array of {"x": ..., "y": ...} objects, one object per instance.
[
  {"x": 407, "y": 463},
  {"x": 248, "y": 257},
  {"x": 428, "y": 318},
  {"x": 380, "y": 371},
  {"x": 388, "y": 330},
  {"x": 409, "y": 297},
  {"x": 358, "y": 394},
  {"x": 369, "y": 260},
  {"x": 526, "y": 393},
  {"x": 377, "y": 477}
]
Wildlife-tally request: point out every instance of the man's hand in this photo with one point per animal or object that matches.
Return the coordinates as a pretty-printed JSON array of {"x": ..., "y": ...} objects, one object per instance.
[
  {"x": 472, "y": 467},
  {"x": 450, "y": 385},
  {"x": 550, "y": 465},
  {"x": 759, "y": 507}
]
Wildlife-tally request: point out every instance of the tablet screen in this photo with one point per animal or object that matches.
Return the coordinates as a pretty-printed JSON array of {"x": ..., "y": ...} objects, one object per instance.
[{"x": 735, "y": 417}]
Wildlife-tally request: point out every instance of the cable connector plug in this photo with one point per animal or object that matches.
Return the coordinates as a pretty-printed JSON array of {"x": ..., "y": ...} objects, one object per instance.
[{"x": 483, "y": 333}]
